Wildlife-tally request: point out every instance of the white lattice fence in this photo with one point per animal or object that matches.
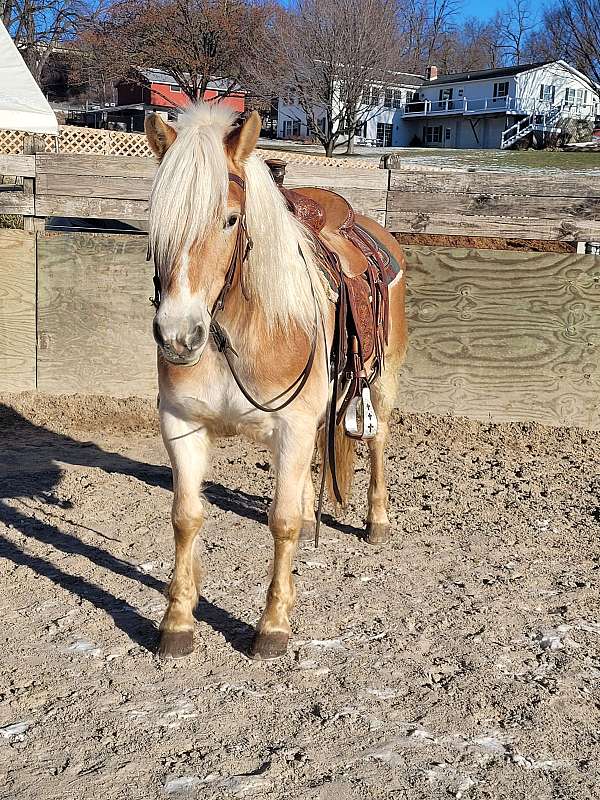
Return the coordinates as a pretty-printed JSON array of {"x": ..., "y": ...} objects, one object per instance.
[
  {"x": 11, "y": 142},
  {"x": 128, "y": 144},
  {"x": 73, "y": 139}
]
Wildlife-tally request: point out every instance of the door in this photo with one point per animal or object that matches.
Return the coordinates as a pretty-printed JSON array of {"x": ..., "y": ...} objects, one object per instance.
[{"x": 384, "y": 134}]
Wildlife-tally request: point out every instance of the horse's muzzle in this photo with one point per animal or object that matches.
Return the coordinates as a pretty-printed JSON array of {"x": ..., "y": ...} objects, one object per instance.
[{"x": 183, "y": 349}]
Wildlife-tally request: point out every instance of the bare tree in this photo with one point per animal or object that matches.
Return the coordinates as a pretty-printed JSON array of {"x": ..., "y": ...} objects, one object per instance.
[
  {"x": 427, "y": 32},
  {"x": 192, "y": 40},
  {"x": 515, "y": 24},
  {"x": 40, "y": 27},
  {"x": 570, "y": 30},
  {"x": 326, "y": 54}
]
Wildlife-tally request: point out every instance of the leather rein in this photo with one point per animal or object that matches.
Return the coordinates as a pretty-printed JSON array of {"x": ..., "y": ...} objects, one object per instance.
[{"x": 220, "y": 337}]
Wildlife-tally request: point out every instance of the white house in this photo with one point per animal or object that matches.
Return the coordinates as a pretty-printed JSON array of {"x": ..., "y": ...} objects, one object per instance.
[
  {"x": 485, "y": 109},
  {"x": 500, "y": 107},
  {"x": 380, "y": 113}
]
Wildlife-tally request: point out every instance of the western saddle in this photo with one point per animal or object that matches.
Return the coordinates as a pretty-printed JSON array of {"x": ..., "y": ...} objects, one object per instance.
[{"x": 359, "y": 270}]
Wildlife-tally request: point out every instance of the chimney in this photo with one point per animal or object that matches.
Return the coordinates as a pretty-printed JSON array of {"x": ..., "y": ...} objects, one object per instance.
[{"x": 431, "y": 73}]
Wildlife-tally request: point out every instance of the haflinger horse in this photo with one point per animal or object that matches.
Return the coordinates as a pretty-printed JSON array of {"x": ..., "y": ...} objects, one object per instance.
[{"x": 244, "y": 327}]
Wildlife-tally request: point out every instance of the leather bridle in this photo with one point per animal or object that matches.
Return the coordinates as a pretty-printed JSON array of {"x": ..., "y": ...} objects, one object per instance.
[{"x": 235, "y": 272}]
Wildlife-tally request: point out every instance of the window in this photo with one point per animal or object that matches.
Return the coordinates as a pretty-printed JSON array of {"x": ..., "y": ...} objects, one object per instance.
[
  {"x": 397, "y": 103},
  {"x": 174, "y": 87},
  {"x": 375, "y": 93},
  {"x": 501, "y": 89},
  {"x": 461, "y": 92},
  {"x": 569, "y": 96},
  {"x": 547, "y": 93},
  {"x": 366, "y": 95},
  {"x": 446, "y": 94},
  {"x": 389, "y": 98},
  {"x": 291, "y": 128},
  {"x": 448, "y": 134},
  {"x": 384, "y": 134},
  {"x": 432, "y": 134}
]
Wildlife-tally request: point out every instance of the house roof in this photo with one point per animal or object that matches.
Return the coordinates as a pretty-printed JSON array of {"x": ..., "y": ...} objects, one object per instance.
[
  {"x": 408, "y": 79},
  {"x": 482, "y": 74},
  {"x": 158, "y": 76}
]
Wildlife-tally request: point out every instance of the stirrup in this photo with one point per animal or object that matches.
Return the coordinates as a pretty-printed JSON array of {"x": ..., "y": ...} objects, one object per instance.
[{"x": 360, "y": 420}]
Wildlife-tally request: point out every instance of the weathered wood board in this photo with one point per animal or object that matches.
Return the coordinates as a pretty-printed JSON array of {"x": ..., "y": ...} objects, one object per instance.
[
  {"x": 17, "y": 310},
  {"x": 118, "y": 187},
  {"x": 95, "y": 319},
  {"x": 499, "y": 204},
  {"x": 503, "y": 336},
  {"x": 503, "y": 227},
  {"x": 16, "y": 166}
]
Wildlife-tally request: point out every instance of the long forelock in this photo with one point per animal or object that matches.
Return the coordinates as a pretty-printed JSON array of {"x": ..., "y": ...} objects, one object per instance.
[{"x": 189, "y": 193}]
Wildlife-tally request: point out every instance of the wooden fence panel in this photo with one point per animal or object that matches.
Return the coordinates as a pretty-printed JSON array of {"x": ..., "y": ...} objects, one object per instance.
[
  {"x": 524, "y": 205},
  {"x": 503, "y": 336},
  {"x": 17, "y": 310},
  {"x": 118, "y": 187},
  {"x": 95, "y": 319}
]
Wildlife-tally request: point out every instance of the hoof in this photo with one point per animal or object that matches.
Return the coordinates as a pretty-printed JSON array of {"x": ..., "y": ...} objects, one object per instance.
[
  {"x": 378, "y": 532},
  {"x": 269, "y": 645},
  {"x": 307, "y": 531},
  {"x": 175, "y": 644}
]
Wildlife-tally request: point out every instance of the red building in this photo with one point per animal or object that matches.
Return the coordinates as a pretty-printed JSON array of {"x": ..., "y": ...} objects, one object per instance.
[{"x": 159, "y": 91}]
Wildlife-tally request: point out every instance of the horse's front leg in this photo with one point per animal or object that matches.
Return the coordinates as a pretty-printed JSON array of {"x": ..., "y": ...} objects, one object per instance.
[
  {"x": 188, "y": 447},
  {"x": 293, "y": 455}
]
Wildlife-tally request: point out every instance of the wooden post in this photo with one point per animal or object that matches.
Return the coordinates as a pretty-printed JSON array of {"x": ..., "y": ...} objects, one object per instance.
[{"x": 31, "y": 224}]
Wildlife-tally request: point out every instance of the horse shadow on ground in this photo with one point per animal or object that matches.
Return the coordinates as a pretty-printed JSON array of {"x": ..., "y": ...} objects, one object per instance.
[{"x": 23, "y": 440}]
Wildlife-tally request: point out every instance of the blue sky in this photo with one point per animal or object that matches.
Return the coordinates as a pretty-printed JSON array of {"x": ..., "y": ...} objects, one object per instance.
[{"x": 480, "y": 8}]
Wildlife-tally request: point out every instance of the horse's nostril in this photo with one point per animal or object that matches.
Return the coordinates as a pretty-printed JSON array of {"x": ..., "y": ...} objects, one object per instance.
[
  {"x": 196, "y": 338},
  {"x": 156, "y": 332}
]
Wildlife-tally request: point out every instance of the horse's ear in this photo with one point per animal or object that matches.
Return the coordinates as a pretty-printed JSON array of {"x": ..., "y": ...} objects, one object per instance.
[
  {"x": 160, "y": 135},
  {"x": 242, "y": 140}
]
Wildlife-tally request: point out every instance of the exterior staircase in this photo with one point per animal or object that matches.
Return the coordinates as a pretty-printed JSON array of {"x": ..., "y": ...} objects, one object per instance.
[{"x": 544, "y": 122}]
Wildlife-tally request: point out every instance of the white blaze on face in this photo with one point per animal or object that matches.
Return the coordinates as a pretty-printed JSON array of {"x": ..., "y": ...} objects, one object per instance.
[{"x": 181, "y": 312}]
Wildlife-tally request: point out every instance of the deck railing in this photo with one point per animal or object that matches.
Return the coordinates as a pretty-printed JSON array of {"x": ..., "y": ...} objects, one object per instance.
[{"x": 490, "y": 105}]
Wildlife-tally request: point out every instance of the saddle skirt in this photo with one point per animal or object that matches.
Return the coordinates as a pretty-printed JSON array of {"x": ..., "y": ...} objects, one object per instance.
[{"x": 357, "y": 268}]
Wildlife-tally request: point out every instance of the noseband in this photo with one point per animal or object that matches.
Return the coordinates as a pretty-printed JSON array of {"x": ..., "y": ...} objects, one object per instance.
[{"x": 235, "y": 272}]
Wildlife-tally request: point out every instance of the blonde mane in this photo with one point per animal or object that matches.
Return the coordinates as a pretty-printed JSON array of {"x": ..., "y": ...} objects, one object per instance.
[{"x": 189, "y": 196}]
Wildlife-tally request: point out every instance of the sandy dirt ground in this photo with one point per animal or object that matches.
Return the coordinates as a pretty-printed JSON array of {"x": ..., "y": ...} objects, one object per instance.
[{"x": 461, "y": 661}]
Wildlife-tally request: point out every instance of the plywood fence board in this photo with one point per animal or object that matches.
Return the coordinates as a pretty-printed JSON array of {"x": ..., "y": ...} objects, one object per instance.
[
  {"x": 17, "y": 310},
  {"x": 503, "y": 336},
  {"x": 94, "y": 322}
]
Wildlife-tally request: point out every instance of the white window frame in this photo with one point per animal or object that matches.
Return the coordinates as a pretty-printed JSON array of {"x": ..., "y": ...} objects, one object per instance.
[
  {"x": 501, "y": 89},
  {"x": 547, "y": 92}
]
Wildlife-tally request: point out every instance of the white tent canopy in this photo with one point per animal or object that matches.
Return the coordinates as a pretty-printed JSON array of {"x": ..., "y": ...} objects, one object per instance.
[{"x": 23, "y": 107}]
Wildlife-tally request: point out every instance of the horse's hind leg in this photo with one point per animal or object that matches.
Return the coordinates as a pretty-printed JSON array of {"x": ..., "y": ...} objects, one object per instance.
[
  {"x": 383, "y": 394},
  {"x": 188, "y": 451},
  {"x": 293, "y": 460}
]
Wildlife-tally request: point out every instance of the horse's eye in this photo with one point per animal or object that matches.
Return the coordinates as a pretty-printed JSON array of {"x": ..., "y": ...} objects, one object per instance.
[{"x": 230, "y": 221}]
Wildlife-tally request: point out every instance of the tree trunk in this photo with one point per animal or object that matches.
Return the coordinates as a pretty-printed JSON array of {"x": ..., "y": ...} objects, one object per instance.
[
  {"x": 350, "y": 148},
  {"x": 329, "y": 148}
]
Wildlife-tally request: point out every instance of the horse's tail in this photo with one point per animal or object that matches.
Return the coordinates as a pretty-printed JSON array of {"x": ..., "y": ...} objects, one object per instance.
[{"x": 345, "y": 454}]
